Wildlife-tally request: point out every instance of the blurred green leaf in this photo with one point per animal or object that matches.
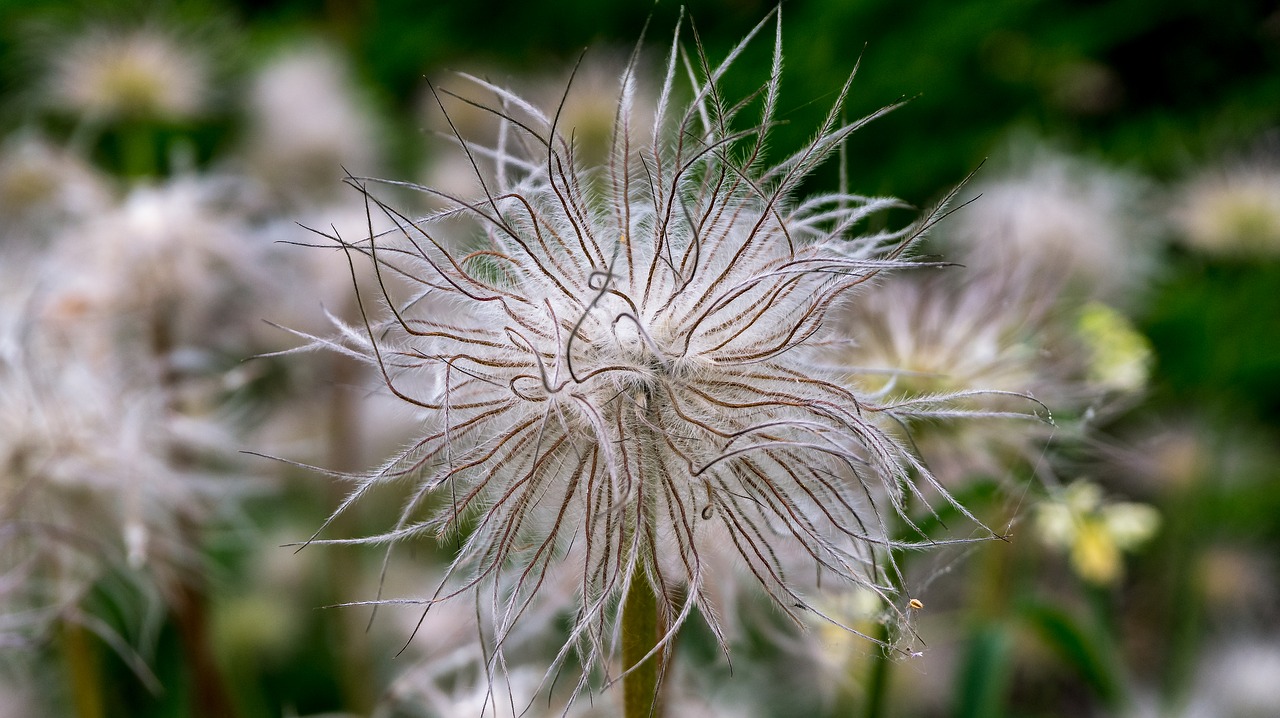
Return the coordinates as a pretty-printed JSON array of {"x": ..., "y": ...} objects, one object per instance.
[
  {"x": 985, "y": 677},
  {"x": 1078, "y": 646},
  {"x": 1214, "y": 328}
]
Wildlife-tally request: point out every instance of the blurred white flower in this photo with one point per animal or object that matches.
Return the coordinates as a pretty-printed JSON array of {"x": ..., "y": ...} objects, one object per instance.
[
  {"x": 1234, "y": 210},
  {"x": 978, "y": 349},
  {"x": 170, "y": 266},
  {"x": 139, "y": 72},
  {"x": 42, "y": 185},
  {"x": 1064, "y": 221},
  {"x": 1237, "y": 680},
  {"x": 307, "y": 121},
  {"x": 91, "y": 483},
  {"x": 621, "y": 374}
]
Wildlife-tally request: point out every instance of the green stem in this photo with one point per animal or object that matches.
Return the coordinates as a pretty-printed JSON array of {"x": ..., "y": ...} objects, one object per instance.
[
  {"x": 356, "y": 665},
  {"x": 1182, "y": 612},
  {"x": 640, "y": 633},
  {"x": 1105, "y": 632},
  {"x": 82, "y": 671},
  {"x": 138, "y": 153},
  {"x": 210, "y": 697},
  {"x": 642, "y": 622},
  {"x": 878, "y": 680}
]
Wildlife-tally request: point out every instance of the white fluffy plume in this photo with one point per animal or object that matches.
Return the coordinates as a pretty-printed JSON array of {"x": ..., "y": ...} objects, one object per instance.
[{"x": 619, "y": 368}]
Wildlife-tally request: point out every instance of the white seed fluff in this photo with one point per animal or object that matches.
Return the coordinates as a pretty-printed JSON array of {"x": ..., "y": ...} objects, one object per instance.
[{"x": 620, "y": 371}]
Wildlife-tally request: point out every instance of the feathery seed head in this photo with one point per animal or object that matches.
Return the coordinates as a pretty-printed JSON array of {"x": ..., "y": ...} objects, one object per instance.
[
  {"x": 619, "y": 367},
  {"x": 1232, "y": 211},
  {"x": 142, "y": 73},
  {"x": 306, "y": 120},
  {"x": 1065, "y": 221},
  {"x": 938, "y": 350},
  {"x": 88, "y": 484},
  {"x": 176, "y": 256}
]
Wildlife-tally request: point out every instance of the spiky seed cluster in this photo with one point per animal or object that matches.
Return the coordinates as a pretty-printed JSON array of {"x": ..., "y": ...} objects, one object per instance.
[
  {"x": 292, "y": 146},
  {"x": 146, "y": 73},
  {"x": 87, "y": 483},
  {"x": 1064, "y": 221},
  {"x": 619, "y": 378},
  {"x": 1234, "y": 210},
  {"x": 946, "y": 350}
]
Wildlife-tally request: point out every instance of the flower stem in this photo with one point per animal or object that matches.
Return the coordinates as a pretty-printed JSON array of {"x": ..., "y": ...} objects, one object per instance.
[
  {"x": 139, "y": 152},
  {"x": 82, "y": 671},
  {"x": 210, "y": 696},
  {"x": 640, "y": 633},
  {"x": 878, "y": 679},
  {"x": 355, "y": 660}
]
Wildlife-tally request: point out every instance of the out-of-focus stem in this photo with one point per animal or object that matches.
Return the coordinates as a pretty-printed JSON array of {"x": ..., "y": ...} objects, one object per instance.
[
  {"x": 356, "y": 666},
  {"x": 190, "y": 609},
  {"x": 80, "y": 657},
  {"x": 138, "y": 153},
  {"x": 878, "y": 678},
  {"x": 1182, "y": 611},
  {"x": 209, "y": 697}
]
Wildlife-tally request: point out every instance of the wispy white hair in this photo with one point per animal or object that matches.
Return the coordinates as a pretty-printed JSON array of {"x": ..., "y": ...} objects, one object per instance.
[{"x": 617, "y": 366}]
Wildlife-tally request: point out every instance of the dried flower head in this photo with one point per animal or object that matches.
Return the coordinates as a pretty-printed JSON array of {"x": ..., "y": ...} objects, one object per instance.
[
  {"x": 89, "y": 480},
  {"x": 952, "y": 348},
  {"x": 1234, "y": 210},
  {"x": 175, "y": 259},
  {"x": 306, "y": 119},
  {"x": 144, "y": 72},
  {"x": 618, "y": 367},
  {"x": 1065, "y": 220}
]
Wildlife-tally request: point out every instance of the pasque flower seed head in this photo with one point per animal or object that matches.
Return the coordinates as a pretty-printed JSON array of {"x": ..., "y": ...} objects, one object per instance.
[{"x": 619, "y": 368}]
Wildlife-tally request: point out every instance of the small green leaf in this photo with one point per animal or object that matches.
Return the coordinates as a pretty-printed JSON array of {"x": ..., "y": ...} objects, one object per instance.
[{"x": 1076, "y": 645}]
